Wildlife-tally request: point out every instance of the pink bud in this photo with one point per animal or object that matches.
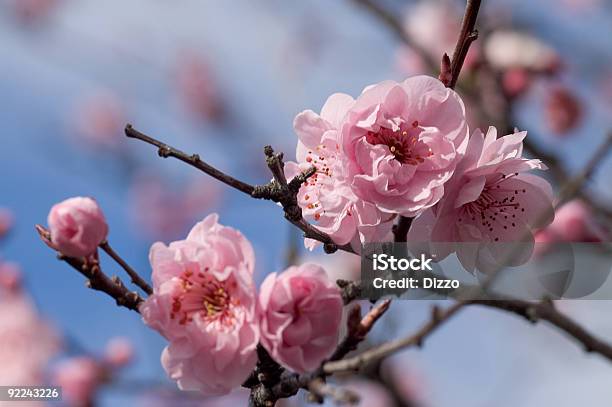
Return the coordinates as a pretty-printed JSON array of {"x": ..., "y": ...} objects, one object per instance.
[
  {"x": 77, "y": 226},
  {"x": 119, "y": 352},
  {"x": 301, "y": 310}
]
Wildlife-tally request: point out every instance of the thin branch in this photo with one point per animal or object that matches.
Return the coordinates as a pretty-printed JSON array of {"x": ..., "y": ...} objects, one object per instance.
[
  {"x": 164, "y": 151},
  {"x": 467, "y": 35},
  {"x": 546, "y": 311},
  {"x": 438, "y": 317},
  {"x": 134, "y": 276},
  {"x": 319, "y": 388},
  {"x": 96, "y": 279}
]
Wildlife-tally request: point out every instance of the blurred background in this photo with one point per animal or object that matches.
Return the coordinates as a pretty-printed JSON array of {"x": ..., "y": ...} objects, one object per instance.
[{"x": 225, "y": 78}]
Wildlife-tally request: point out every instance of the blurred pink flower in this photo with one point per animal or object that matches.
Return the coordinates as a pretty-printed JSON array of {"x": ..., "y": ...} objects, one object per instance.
[
  {"x": 164, "y": 210},
  {"x": 491, "y": 199},
  {"x": 516, "y": 81},
  {"x": 10, "y": 276},
  {"x": 574, "y": 222},
  {"x": 409, "y": 62},
  {"x": 33, "y": 11},
  {"x": 79, "y": 377},
  {"x": 77, "y": 226},
  {"x": 119, "y": 352},
  {"x": 512, "y": 49},
  {"x": 6, "y": 222},
  {"x": 563, "y": 110},
  {"x": 27, "y": 341},
  {"x": 401, "y": 142},
  {"x": 204, "y": 304},
  {"x": 326, "y": 198},
  {"x": 197, "y": 88},
  {"x": 301, "y": 311},
  {"x": 99, "y": 119},
  {"x": 433, "y": 25}
]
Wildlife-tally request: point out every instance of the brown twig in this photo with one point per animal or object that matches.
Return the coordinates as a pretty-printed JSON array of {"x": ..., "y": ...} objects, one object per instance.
[
  {"x": 546, "y": 311},
  {"x": 96, "y": 279},
  {"x": 134, "y": 276},
  {"x": 467, "y": 35},
  {"x": 338, "y": 395},
  {"x": 438, "y": 317},
  {"x": 278, "y": 190},
  {"x": 194, "y": 160}
]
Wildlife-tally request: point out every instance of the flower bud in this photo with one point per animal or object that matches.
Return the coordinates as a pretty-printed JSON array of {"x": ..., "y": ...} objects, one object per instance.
[{"x": 77, "y": 226}]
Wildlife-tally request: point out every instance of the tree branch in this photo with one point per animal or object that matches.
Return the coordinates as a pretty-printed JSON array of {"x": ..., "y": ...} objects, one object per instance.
[
  {"x": 96, "y": 279},
  {"x": 134, "y": 276},
  {"x": 164, "y": 151},
  {"x": 467, "y": 35}
]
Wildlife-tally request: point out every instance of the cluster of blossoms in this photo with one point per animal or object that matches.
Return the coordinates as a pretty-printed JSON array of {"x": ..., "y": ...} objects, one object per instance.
[
  {"x": 403, "y": 149},
  {"x": 206, "y": 305},
  {"x": 399, "y": 149}
]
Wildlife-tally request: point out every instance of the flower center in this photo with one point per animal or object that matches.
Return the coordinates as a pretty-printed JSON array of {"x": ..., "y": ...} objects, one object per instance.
[
  {"x": 404, "y": 143},
  {"x": 205, "y": 296},
  {"x": 496, "y": 208}
]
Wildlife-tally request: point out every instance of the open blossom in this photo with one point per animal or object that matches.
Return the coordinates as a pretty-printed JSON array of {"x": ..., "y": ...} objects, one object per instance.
[
  {"x": 77, "y": 226},
  {"x": 573, "y": 222},
  {"x": 204, "y": 304},
  {"x": 326, "y": 198},
  {"x": 491, "y": 199},
  {"x": 401, "y": 143},
  {"x": 301, "y": 310}
]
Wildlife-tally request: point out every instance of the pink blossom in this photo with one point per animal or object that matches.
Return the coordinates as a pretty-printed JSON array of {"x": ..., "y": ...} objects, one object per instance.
[
  {"x": 563, "y": 110},
  {"x": 28, "y": 341},
  {"x": 326, "y": 198},
  {"x": 204, "y": 304},
  {"x": 197, "y": 87},
  {"x": 490, "y": 199},
  {"x": 301, "y": 311},
  {"x": 77, "y": 226},
  {"x": 10, "y": 276},
  {"x": 119, "y": 352},
  {"x": 79, "y": 378},
  {"x": 6, "y": 222},
  {"x": 574, "y": 222},
  {"x": 100, "y": 118},
  {"x": 401, "y": 142}
]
